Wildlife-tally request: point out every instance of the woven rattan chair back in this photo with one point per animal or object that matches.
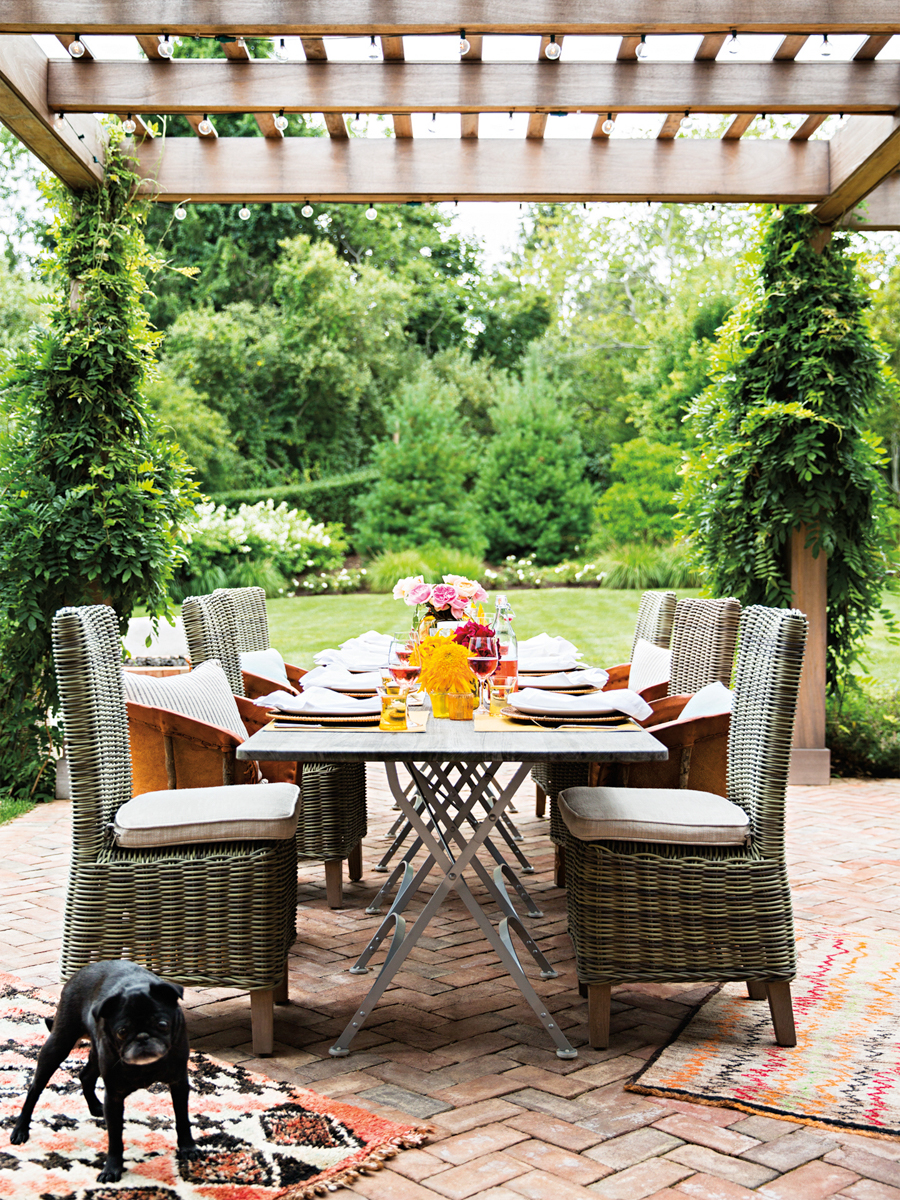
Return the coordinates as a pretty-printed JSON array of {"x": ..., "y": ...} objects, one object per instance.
[
  {"x": 87, "y": 655},
  {"x": 209, "y": 630},
  {"x": 767, "y": 679},
  {"x": 704, "y": 635},
  {"x": 654, "y": 620},
  {"x": 251, "y": 623}
]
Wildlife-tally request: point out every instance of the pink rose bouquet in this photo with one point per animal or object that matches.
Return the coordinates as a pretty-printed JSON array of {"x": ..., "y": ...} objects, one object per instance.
[{"x": 452, "y": 599}]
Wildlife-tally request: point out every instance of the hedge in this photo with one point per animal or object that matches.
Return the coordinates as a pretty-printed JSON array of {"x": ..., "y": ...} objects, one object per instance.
[{"x": 325, "y": 500}]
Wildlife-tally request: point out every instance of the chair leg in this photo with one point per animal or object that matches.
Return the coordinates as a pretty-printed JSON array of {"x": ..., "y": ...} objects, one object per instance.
[
  {"x": 540, "y": 800},
  {"x": 756, "y": 989},
  {"x": 782, "y": 1013},
  {"x": 334, "y": 884},
  {"x": 598, "y": 1014},
  {"x": 354, "y": 863},
  {"x": 262, "y": 1021},
  {"x": 559, "y": 866},
  {"x": 281, "y": 991}
]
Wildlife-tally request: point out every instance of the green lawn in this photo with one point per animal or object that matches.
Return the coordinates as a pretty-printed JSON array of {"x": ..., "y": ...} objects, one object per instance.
[{"x": 599, "y": 621}]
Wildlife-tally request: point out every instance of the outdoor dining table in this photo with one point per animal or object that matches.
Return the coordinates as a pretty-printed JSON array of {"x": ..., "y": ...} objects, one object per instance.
[{"x": 453, "y": 803}]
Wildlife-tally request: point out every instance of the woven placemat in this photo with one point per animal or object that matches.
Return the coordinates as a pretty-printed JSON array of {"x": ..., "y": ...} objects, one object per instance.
[
  {"x": 286, "y": 719},
  {"x": 521, "y": 723},
  {"x": 552, "y": 721}
]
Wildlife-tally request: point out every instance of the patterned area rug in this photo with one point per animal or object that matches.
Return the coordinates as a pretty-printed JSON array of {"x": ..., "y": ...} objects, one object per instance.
[
  {"x": 844, "y": 1071},
  {"x": 260, "y": 1139}
]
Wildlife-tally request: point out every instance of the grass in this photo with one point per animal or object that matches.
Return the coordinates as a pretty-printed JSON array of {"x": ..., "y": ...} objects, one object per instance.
[{"x": 881, "y": 661}]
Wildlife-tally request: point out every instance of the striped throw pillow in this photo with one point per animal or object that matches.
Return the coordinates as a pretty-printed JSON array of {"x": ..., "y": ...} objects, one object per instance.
[{"x": 203, "y": 694}]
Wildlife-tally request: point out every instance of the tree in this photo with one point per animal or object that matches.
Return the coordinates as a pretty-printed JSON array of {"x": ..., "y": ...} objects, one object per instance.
[
  {"x": 423, "y": 496},
  {"x": 532, "y": 492},
  {"x": 93, "y": 498},
  {"x": 639, "y": 506},
  {"x": 781, "y": 440}
]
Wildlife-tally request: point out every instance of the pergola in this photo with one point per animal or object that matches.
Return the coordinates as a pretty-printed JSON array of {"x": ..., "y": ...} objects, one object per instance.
[{"x": 861, "y": 163}]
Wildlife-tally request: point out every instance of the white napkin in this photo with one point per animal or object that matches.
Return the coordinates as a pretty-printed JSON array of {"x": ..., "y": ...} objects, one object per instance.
[
  {"x": 622, "y": 700},
  {"x": 340, "y": 679},
  {"x": 357, "y": 660},
  {"x": 370, "y": 638},
  {"x": 546, "y": 653},
  {"x": 591, "y": 677},
  {"x": 320, "y": 700}
]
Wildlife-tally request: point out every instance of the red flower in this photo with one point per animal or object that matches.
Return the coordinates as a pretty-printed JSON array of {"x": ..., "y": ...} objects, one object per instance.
[{"x": 470, "y": 630}]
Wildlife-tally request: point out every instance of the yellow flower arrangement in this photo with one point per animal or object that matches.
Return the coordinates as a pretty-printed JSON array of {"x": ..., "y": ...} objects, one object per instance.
[{"x": 445, "y": 665}]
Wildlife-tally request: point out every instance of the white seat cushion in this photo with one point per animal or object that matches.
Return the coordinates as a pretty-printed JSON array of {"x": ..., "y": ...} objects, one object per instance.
[
  {"x": 203, "y": 694},
  {"x": 267, "y": 663},
  {"x": 242, "y": 813},
  {"x": 649, "y": 665},
  {"x": 671, "y": 816},
  {"x": 710, "y": 700}
]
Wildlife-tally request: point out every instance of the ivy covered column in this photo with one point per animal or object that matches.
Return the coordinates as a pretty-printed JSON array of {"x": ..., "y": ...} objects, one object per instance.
[{"x": 784, "y": 499}]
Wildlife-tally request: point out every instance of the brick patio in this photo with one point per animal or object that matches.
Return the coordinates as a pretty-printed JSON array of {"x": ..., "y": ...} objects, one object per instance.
[{"x": 455, "y": 1044}]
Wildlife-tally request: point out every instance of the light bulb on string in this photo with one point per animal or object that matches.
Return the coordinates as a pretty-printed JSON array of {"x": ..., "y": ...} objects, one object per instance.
[
  {"x": 281, "y": 122},
  {"x": 825, "y": 50},
  {"x": 244, "y": 212},
  {"x": 642, "y": 50},
  {"x": 734, "y": 45},
  {"x": 371, "y": 212},
  {"x": 166, "y": 49},
  {"x": 554, "y": 50},
  {"x": 373, "y": 49},
  {"x": 464, "y": 44},
  {"x": 512, "y": 123},
  {"x": 306, "y": 210},
  {"x": 432, "y": 124},
  {"x": 180, "y": 212},
  {"x": 687, "y": 121},
  {"x": 608, "y": 125},
  {"x": 205, "y": 128},
  {"x": 763, "y": 123},
  {"x": 77, "y": 48},
  {"x": 281, "y": 51},
  {"x": 358, "y": 125},
  {"x": 129, "y": 125}
]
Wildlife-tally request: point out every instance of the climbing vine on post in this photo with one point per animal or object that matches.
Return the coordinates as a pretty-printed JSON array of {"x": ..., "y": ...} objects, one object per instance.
[
  {"x": 780, "y": 437},
  {"x": 92, "y": 496}
]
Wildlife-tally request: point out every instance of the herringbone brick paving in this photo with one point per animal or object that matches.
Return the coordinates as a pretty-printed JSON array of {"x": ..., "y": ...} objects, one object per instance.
[{"x": 453, "y": 1043}]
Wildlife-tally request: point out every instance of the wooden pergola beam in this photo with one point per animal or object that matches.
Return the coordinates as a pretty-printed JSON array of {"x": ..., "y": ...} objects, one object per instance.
[
  {"x": 862, "y": 155},
  {"x": 395, "y": 170},
  {"x": 320, "y": 18},
  {"x": 211, "y": 85},
  {"x": 880, "y": 210},
  {"x": 69, "y": 148}
]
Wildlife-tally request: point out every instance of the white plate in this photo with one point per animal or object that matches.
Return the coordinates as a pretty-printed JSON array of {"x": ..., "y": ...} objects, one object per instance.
[{"x": 554, "y": 703}]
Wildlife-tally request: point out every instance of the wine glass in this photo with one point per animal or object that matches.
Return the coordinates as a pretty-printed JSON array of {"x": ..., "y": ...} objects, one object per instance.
[
  {"x": 401, "y": 652},
  {"x": 483, "y": 657}
]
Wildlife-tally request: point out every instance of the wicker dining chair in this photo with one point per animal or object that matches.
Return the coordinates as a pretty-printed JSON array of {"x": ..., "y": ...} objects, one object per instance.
[
  {"x": 332, "y": 825},
  {"x": 654, "y": 624},
  {"x": 202, "y": 913},
  {"x": 674, "y": 885}
]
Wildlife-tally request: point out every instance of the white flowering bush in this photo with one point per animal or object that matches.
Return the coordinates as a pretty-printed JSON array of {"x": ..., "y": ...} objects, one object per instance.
[{"x": 260, "y": 544}]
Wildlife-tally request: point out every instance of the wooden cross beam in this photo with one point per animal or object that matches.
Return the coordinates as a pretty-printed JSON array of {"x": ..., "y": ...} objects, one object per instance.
[
  {"x": 320, "y": 18},
  {"x": 211, "y": 85}
]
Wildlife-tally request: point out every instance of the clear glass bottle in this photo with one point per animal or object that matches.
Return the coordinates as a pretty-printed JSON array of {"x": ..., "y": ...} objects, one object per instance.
[{"x": 508, "y": 667}]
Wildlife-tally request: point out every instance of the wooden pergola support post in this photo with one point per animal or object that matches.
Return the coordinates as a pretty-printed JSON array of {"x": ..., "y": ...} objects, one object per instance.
[{"x": 810, "y": 758}]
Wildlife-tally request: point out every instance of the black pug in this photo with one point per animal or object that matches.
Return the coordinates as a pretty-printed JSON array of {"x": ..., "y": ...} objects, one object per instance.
[{"x": 138, "y": 1037}]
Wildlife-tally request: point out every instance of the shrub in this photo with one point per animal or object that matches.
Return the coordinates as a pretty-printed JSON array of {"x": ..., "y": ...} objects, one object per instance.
[
  {"x": 640, "y": 502},
  {"x": 431, "y": 562},
  {"x": 532, "y": 493},
  {"x": 334, "y": 582},
  {"x": 637, "y": 567},
  {"x": 332, "y": 499},
  {"x": 863, "y": 733},
  {"x": 260, "y": 545}
]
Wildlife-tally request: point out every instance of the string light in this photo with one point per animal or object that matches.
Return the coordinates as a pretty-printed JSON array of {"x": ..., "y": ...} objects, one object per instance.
[
  {"x": 734, "y": 45},
  {"x": 281, "y": 51},
  {"x": 60, "y": 118},
  {"x": 373, "y": 49},
  {"x": 554, "y": 50},
  {"x": 825, "y": 51},
  {"x": 358, "y": 125},
  {"x": 608, "y": 125},
  {"x": 432, "y": 125},
  {"x": 371, "y": 212},
  {"x": 281, "y": 121},
  {"x": 464, "y": 44},
  {"x": 512, "y": 123},
  {"x": 205, "y": 128},
  {"x": 642, "y": 50},
  {"x": 687, "y": 121},
  {"x": 306, "y": 210},
  {"x": 244, "y": 212},
  {"x": 77, "y": 48},
  {"x": 166, "y": 49},
  {"x": 180, "y": 212},
  {"x": 129, "y": 125}
]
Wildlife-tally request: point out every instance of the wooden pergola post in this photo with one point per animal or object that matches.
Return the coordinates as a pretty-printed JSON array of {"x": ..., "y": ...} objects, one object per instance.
[{"x": 810, "y": 758}]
